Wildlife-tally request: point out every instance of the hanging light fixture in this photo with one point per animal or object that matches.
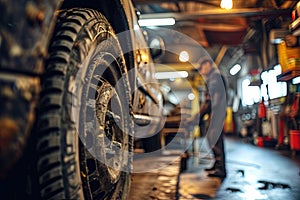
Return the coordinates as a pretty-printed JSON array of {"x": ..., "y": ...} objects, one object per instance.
[
  {"x": 226, "y": 4},
  {"x": 235, "y": 69}
]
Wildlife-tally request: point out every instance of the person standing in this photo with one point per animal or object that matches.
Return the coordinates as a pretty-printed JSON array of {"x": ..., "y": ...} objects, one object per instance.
[{"x": 217, "y": 100}]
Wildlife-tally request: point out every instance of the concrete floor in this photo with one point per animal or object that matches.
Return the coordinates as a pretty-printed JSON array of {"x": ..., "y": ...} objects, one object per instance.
[
  {"x": 155, "y": 177},
  {"x": 252, "y": 173}
]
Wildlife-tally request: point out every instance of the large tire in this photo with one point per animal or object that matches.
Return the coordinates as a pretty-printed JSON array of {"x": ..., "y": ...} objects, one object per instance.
[{"x": 84, "y": 125}]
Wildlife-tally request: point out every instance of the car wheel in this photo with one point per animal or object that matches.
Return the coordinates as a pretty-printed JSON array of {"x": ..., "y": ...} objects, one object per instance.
[{"x": 84, "y": 124}]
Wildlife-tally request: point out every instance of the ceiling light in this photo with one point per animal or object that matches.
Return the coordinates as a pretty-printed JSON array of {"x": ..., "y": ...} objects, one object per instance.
[
  {"x": 191, "y": 96},
  {"x": 235, "y": 69},
  {"x": 157, "y": 22},
  {"x": 226, "y": 4},
  {"x": 171, "y": 75},
  {"x": 184, "y": 56}
]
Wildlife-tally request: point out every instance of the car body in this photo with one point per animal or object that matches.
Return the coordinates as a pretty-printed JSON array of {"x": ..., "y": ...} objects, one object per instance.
[{"x": 77, "y": 85}]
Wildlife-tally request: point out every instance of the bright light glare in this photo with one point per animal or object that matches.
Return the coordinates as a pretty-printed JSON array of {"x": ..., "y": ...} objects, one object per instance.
[
  {"x": 171, "y": 75},
  {"x": 277, "y": 69},
  {"x": 191, "y": 96},
  {"x": 250, "y": 94},
  {"x": 184, "y": 56},
  {"x": 296, "y": 80},
  {"x": 235, "y": 69},
  {"x": 226, "y": 4},
  {"x": 157, "y": 22},
  {"x": 277, "y": 41},
  {"x": 275, "y": 89}
]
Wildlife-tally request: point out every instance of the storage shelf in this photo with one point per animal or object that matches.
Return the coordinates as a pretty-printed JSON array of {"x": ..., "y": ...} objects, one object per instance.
[{"x": 288, "y": 75}]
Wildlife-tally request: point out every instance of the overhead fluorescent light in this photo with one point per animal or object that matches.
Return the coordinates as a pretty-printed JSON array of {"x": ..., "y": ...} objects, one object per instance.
[
  {"x": 171, "y": 75},
  {"x": 235, "y": 69},
  {"x": 157, "y": 22}
]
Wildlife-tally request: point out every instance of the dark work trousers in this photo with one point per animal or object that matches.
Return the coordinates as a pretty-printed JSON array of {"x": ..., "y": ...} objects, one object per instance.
[
  {"x": 216, "y": 87},
  {"x": 218, "y": 149},
  {"x": 219, "y": 153}
]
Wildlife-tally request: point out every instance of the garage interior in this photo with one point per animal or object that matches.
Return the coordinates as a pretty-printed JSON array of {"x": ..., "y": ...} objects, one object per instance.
[
  {"x": 249, "y": 34},
  {"x": 246, "y": 36}
]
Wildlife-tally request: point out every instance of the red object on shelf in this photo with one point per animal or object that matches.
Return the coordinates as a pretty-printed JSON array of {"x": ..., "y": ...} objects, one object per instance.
[
  {"x": 281, "y": 130},
  {"x": 295, "y": 139},
  {"x": 262, "y": 110}
]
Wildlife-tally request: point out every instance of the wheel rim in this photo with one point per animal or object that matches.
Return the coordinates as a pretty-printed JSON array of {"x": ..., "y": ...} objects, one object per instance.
[{"x": 104, "y": 147}]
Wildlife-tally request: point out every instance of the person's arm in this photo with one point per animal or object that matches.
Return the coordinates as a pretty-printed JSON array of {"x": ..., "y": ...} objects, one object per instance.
[{"x": 205, "y": 109}]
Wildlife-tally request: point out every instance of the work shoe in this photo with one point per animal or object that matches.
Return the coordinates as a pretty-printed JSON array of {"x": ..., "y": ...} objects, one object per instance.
[
  {"x": 210, "y": 169},
  {"x": 217, "y": 173}
]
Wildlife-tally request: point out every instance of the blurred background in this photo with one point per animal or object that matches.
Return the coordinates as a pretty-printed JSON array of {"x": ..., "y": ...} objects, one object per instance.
[{"x": 246, "y": 41}]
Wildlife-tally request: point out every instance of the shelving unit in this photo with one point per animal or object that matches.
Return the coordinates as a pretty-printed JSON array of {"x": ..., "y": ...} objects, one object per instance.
[
  {"x": 294, "y": 28},
  {"x": 287, "y": 76}
]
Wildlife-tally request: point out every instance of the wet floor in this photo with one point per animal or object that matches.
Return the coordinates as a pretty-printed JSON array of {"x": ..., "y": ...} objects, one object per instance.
[
  {"x": 155, "y": 177},
  {"x": 252, "y": 173}
]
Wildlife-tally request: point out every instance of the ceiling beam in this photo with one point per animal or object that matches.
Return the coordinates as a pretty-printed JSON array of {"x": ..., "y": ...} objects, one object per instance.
[
  {"x": 220, "y": 55},
  {"x": 206, "y": 2},
  {"x": 221, "y": 13}
]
